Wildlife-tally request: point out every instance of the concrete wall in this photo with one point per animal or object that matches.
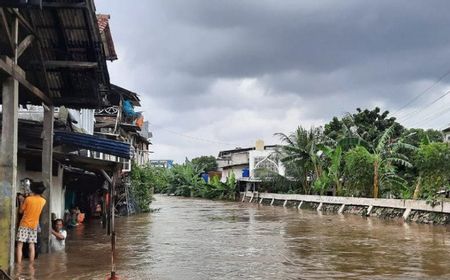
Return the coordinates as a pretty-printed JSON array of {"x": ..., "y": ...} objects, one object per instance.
[
  {"x": 406, "y": 204},
  {"x": 57, "y": 200}
]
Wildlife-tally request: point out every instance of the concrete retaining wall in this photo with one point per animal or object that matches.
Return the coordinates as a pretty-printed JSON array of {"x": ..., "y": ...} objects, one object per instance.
[{"x": 407, "y": 205}]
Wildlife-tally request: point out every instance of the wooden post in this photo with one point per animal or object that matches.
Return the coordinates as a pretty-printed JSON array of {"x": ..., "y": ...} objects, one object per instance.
[
  {"x": 8, "y": 172},
  {"x": 115, "y": 181},
  {"x": 8, "y": 162},
  {"x": 47, "y": 163}
]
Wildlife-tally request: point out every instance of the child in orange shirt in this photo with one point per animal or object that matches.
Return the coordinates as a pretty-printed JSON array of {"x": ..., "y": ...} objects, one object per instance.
[{"x": 31, "y": 209}]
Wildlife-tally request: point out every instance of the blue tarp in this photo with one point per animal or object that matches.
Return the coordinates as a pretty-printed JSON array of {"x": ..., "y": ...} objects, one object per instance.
[{"x": 93, "y": 143}]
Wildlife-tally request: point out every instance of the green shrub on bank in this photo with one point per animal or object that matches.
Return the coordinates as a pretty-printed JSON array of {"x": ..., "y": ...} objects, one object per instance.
[
  {"x": 358, "y": 172},
  {"x": 141, "y": 187},
  {"x": 433, "y": 164},
  {"x": 180, "y": 180}
]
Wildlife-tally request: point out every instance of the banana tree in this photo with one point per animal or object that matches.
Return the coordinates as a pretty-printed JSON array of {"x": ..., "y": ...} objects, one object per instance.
[
  {"x": 388, "y": 153},
  {"x": 335, "y": 161}
]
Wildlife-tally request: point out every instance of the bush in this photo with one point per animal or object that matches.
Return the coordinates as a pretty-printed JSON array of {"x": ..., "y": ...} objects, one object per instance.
[
  {"x": 141, "y": 187},
  {"x": 358, "y": 172},
  {"x": 433, "y": 163}
]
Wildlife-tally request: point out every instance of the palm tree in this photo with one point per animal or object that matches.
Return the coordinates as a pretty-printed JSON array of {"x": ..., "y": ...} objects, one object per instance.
[{"x": 300, "y": 154}]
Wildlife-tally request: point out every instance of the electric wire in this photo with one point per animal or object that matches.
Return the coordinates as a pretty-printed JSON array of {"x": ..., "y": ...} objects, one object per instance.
[
  {"x": 200, "y": 139},
  {"x": 434, "y": 116},
  {"x": 422, "y": 93},
  {"x": 417, "y": 111}
]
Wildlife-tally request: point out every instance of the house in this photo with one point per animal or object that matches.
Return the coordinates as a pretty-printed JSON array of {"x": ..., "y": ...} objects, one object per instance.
[
  {"x": 57, "y": 61},
  {"x": 250, "y": 164},
  {"x": 446, "y": 133}
]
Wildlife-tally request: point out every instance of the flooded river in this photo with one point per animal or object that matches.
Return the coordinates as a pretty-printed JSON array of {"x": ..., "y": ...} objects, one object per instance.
[{"x": 201, "y": 239}]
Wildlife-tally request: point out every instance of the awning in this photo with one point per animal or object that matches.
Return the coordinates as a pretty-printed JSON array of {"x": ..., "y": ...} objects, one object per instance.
[{"x": 93, "y": 143}]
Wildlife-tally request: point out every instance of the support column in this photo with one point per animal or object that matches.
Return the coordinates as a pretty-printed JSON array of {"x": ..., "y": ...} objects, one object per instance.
[
  {"x": 8, "y": 162},
  {"x": 47, "y": 163},
  {"x": 319, "y": 208},
  {"x": 8, "y": 172},
  {"x": 251, "y": 198},
  {"x": 369, "y": 210},
  {"x": 243, "y": 197},
  {"x": 300, "y": 204},
  {"x": 261, "y": 200},
  {"x": 341, "y": 209},
  {"x": 271, "y": 203},
  {"x": 285, "y": 202},
  {"x": 115, "y": 182},
  {"x": 406, "y": 213}
]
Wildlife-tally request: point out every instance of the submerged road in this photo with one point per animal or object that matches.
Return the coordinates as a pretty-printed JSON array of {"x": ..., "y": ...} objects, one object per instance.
[{"x": 201, "y": 239}]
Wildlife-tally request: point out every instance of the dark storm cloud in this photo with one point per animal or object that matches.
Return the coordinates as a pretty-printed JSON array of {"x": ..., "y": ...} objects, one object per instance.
[{"x": 313, "y": 59}]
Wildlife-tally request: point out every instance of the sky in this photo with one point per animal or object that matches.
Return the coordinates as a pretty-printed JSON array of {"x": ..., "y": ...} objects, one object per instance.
[{"x": 215, "y": 75}]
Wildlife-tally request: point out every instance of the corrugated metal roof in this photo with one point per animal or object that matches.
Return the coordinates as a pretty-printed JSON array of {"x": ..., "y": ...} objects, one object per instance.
[
  {"x": 93, "y": 143},
  {"x": 68, "y": 36}
]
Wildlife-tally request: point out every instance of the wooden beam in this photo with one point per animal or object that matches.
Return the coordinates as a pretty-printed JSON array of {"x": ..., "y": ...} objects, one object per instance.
[
  {"x": 70, "y": 64},
  {"x": 7, "y": 66},
  {"x": 22, "y": 20},
  {"x": 47, "y": 177},
  {"x": 24, "y": 45},
  {"x": 5, "y": 25},
  {"x": 106, "y": 176},
  {"x": 61, "y": 5},
  {"x": 41, "y": 56}
]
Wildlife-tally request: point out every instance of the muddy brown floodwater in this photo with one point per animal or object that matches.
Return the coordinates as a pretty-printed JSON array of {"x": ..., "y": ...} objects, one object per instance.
[{"x": 201, "y": 239}]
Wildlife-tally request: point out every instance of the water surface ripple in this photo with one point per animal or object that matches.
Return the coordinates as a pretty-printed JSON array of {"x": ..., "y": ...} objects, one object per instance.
[{"x": 200, "y": 239}]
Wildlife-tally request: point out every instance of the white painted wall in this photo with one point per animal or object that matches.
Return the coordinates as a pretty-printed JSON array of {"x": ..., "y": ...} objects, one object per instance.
[
  {"x": 57, "y": 199},
  {"x": 237, "y": 170},
  {"x": 233, "y": 159}
]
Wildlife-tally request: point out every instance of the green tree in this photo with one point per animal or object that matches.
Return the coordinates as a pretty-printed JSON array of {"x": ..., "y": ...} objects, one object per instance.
[
  {"x": 333, "y": 173},
  {"x": 185, "y": 180},
  {"x": 388, "y": 153},
  {"x": 368, "y": 124},
  {"x": 433, "y": 164},
  {"x": 299, "y": 154},
  {"x": 358, "y": 172},
  {"x": 205, "y": 163}
]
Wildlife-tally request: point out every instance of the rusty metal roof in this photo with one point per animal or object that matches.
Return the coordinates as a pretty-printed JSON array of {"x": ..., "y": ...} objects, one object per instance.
[
  {"x": 105, "y": 33},
  {"x": 67, "y": 61}
]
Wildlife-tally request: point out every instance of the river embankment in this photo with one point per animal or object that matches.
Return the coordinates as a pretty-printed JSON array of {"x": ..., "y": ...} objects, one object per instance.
[{"x": 419, "y": 211}]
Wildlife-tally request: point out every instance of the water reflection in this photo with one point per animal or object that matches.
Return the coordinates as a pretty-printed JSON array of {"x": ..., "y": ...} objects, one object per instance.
[{"x": 199, "y": 239}]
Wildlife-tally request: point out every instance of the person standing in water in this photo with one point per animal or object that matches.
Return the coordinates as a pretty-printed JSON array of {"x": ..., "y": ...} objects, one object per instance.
[
  {"x": 58, "y": 237},
  {"x": 31, "y": 209}
]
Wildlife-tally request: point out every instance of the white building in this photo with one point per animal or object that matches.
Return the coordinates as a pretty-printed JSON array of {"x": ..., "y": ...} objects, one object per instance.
[{"x": 245, "y": 163}]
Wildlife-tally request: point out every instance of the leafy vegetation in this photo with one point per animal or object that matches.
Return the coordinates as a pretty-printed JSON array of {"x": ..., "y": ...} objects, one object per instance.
[
  {"x": 433, "y": 164},
  {"x": 368, "y": 154},
  {"x": 205, "y": 163},
  {"x": 141, "y": 186},
  {"x": 182, "y": 180}
]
